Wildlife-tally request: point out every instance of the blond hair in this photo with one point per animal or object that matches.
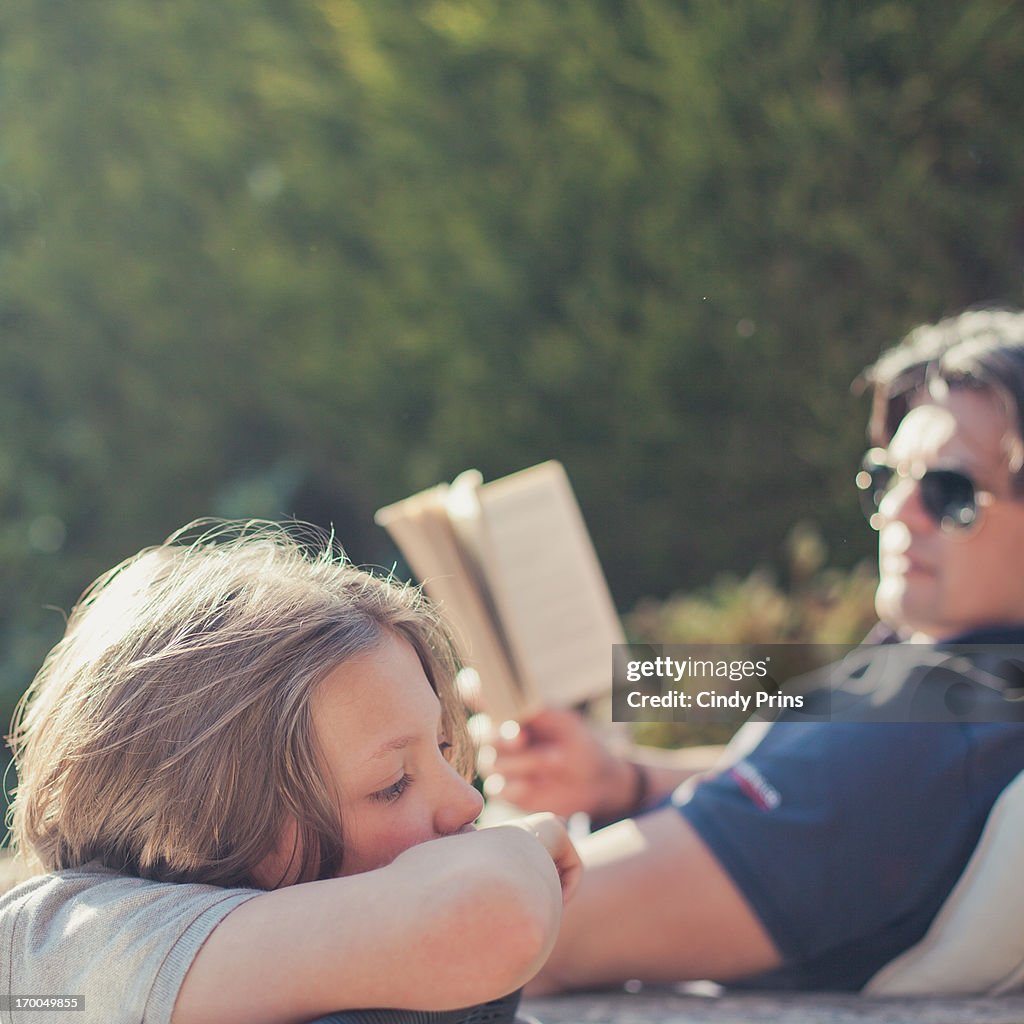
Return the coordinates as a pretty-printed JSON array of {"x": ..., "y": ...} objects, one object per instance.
[{"x": 169, "y": 734}]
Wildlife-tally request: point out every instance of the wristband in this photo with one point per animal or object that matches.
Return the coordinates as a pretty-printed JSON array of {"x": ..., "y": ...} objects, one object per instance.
[
  {"x": 640, "y": 795},
  {"x": 641, "y": 788}
]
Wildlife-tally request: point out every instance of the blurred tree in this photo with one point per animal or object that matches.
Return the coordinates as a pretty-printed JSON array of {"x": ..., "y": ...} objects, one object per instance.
[{"x": 303, "y": 257}]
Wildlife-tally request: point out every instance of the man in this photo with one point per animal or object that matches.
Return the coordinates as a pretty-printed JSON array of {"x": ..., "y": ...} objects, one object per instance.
[{"x": 869, "y": 823}]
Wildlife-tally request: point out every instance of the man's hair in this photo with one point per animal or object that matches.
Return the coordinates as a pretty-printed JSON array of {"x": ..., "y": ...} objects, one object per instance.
[
  {"x": 981, "y": 349},
  {"x": 169, "y": 734}
]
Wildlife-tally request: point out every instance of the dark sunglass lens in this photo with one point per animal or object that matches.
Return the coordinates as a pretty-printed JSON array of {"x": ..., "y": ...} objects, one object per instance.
[{"x": 949, "y": 498}]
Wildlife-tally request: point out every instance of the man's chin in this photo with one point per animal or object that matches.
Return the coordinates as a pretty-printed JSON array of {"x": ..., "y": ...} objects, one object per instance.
[{"x": 902, "y": 604}]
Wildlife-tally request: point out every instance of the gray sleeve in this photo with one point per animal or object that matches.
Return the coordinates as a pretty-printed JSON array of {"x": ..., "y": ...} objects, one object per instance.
[{"x": 124, "y": 944}]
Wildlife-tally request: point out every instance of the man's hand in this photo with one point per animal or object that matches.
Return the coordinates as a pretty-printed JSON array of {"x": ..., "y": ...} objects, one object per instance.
[{"x": 556, "y": 763}]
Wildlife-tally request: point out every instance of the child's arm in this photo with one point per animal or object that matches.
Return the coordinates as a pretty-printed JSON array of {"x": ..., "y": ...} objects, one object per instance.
[{"x": 449, "y": 923}]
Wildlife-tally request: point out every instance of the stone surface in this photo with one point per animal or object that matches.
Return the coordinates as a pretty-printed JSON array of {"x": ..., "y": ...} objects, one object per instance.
[{"x": 670, "y": 1007}]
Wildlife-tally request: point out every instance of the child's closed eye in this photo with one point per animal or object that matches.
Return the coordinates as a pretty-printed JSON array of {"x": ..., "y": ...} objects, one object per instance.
[{"x": 394, "y": 791}]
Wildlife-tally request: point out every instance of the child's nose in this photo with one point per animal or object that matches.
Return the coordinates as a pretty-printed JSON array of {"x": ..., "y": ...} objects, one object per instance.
[{"x": 460, "y": 806}]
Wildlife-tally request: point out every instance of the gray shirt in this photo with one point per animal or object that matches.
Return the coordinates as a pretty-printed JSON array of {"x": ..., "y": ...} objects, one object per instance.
[{"x": 124, "y": 944}]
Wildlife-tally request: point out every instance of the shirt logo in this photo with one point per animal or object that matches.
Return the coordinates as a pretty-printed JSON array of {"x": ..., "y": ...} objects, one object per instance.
[{"x": 761, "y": 793}]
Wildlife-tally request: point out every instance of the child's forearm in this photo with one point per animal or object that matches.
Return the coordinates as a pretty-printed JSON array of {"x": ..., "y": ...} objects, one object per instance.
[
  {"x": 489, "y": 907},
  {"x": 449, "y": 923}
]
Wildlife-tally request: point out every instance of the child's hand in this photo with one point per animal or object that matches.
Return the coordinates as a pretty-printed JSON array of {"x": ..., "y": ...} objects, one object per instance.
[{"x": 550, "y": 831}]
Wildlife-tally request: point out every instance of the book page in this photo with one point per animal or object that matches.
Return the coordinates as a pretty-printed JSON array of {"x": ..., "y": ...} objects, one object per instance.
[
  {"x": 462, "y": 505},
  {"x": 548, "y": 586},
  {"x": 422, "y": 530}
]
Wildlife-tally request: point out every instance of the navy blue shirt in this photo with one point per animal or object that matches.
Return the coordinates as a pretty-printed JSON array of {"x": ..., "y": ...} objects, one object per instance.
[{"x": 846, "y": 836}]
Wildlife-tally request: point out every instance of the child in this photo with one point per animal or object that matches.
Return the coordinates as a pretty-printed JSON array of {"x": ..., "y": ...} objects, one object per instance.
[{"x": 230, "y": 767}]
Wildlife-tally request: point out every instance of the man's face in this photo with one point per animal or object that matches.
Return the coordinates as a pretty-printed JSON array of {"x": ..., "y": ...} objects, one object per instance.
[{"x": 940, "y": 582}]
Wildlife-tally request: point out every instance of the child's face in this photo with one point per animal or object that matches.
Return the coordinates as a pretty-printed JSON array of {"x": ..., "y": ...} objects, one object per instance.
[{"x": 378, "y": 723}]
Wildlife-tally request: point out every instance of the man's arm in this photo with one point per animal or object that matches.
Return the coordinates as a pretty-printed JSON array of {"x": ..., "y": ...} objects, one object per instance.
[
  {"x": 448, "y": 923},
  {"x": 654, "y": 904}
]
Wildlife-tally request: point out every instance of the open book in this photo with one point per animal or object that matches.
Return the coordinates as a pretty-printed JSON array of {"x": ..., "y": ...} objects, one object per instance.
[{"x": 514, "y": 571}]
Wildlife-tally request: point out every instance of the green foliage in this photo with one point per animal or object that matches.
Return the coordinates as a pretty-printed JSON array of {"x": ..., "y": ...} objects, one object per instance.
[
  {"x": 816, "y": 604},
  {"x": 303, "y": 257}
]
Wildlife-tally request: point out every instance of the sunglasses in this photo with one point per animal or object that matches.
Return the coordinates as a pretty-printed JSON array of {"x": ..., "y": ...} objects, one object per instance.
[{"x": 949, "y": 496}]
